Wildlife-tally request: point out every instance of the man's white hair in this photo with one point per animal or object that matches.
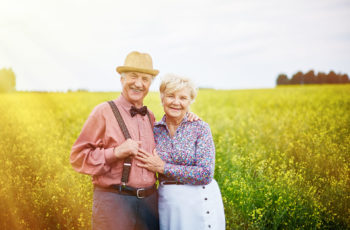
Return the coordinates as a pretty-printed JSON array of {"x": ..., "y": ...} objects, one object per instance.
[{"x": 122, "y": 75}]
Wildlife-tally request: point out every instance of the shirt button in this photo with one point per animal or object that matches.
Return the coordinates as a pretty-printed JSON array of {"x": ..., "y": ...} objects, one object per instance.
[
  {"x": 205, "y": 198},
  {"x": 207, "y": 212},
  {"x": 203, "y": 187},
  {"x": 209, "y": 226}
]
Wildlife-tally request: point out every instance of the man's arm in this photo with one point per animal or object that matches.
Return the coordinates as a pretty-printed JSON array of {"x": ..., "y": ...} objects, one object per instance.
[{"x": 88, "y": 155}]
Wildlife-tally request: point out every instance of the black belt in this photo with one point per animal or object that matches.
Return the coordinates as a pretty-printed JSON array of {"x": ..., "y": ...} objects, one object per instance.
[
  {"x": 170, "y": 182},
  {"x": 130, "y": 191},
  {"x": 163, "y": 180}
]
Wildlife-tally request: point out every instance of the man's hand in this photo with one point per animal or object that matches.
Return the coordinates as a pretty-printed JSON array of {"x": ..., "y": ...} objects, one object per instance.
[
  {"x": 150, "y": 162},
  {"x": 192, "y": 116},
  {"x": 128, "y": 148}
]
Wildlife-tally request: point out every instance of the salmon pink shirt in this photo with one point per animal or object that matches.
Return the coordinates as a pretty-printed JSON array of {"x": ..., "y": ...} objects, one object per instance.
[{"x": 93, "y": 151}]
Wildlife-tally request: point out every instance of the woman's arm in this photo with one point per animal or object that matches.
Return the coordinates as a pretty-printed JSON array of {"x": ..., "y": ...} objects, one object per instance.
[
  {"x": 201, "y": 173},
  {"x": 150, "y": 162}
]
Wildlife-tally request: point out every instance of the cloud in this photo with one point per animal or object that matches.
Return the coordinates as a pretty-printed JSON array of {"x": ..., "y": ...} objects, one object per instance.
[{"x": 225, "y": 44}]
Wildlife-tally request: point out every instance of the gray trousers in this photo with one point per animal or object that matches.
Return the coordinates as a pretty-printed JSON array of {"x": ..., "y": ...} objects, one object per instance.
[{"x": 112, "y": 211}]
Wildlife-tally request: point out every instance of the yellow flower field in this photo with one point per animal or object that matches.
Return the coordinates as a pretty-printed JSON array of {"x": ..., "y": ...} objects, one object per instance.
[{"x": 282, "y": 156}]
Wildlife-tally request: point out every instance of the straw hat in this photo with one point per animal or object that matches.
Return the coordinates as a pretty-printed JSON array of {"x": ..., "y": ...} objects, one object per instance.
[{"x": 138, "y": 62}]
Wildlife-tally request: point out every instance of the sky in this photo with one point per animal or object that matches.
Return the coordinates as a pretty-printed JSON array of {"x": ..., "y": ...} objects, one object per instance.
[{"x": 224, "y": 44}]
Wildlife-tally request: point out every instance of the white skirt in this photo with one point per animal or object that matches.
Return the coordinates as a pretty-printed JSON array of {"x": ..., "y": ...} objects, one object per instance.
[{"x": 190, "y": 207}]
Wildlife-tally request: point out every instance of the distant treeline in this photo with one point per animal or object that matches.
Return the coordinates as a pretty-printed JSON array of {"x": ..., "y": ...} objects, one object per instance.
[
  {"x": 7, "y": 80},
  {"x": 310, "y": 77}
]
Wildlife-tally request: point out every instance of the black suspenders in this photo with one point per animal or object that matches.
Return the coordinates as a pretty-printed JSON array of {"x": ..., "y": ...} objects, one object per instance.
[{"x": 127, "y": 161}]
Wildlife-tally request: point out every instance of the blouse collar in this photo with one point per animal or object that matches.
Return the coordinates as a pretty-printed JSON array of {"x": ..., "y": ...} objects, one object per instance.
[{"x": 163, "y": 120}]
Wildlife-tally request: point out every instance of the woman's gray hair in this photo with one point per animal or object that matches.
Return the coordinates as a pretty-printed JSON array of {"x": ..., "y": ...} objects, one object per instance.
[{"x": 171, "y": 83}]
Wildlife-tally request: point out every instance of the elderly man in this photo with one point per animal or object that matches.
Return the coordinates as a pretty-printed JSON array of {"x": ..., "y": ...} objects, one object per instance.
[{"x": 125, "y": 195}]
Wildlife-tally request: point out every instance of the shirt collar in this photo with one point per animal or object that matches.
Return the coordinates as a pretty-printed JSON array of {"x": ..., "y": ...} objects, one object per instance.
[
  {"x": 163, "y": 122},
  {"x": 124, "y": 103}
]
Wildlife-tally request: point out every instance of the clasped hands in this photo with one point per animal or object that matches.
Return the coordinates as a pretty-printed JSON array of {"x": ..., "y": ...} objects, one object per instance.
[{"x": 151, "y": 162}]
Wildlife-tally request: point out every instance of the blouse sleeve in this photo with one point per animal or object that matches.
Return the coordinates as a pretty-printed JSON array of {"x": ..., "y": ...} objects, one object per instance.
[
  {"x": 88, "y": 155},
  {"x": 203, "y": 172}
]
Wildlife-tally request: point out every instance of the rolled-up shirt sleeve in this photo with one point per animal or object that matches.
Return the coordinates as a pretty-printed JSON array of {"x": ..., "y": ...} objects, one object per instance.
[
  {"x": 89, "y": 155},
  {"x": 202, "y": 173}
]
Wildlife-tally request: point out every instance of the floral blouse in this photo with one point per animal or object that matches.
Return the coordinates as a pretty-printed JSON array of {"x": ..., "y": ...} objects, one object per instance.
[{"x": 189, "y": 154}]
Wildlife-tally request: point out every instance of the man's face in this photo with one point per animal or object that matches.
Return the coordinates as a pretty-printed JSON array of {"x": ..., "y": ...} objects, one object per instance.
[{"x": 135, "y": 86}]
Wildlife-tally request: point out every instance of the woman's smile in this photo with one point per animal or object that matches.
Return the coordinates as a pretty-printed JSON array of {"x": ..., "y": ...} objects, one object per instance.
[{"x": 177, "y": 103}]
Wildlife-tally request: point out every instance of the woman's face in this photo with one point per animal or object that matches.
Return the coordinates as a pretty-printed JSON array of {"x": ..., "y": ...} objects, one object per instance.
[{"x": 177, "y": 103}]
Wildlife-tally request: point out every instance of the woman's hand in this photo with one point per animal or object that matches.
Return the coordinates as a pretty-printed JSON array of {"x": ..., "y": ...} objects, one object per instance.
[{"x": 150, "y": 162}]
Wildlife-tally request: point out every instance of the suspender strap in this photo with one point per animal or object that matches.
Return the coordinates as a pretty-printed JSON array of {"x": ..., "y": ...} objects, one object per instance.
[
  {"x": 127, "y": 161},
  {"x": 120, "y": 120},
  {"x": 149, "y": 118}
]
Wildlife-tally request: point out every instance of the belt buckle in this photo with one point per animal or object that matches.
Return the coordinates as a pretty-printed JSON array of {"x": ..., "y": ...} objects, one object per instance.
[{"x": 137, "y": 193}]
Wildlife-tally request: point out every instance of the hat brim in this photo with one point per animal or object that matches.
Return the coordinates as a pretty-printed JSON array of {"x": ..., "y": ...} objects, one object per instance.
[{"x": 123, "y": 69}]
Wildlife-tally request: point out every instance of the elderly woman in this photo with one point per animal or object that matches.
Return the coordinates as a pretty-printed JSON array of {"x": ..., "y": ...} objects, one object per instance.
[{"x": 189, "y": 197}]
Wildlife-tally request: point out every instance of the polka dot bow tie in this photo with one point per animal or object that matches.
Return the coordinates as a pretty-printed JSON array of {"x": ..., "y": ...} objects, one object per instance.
[{"x": 142, "y": 111}]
